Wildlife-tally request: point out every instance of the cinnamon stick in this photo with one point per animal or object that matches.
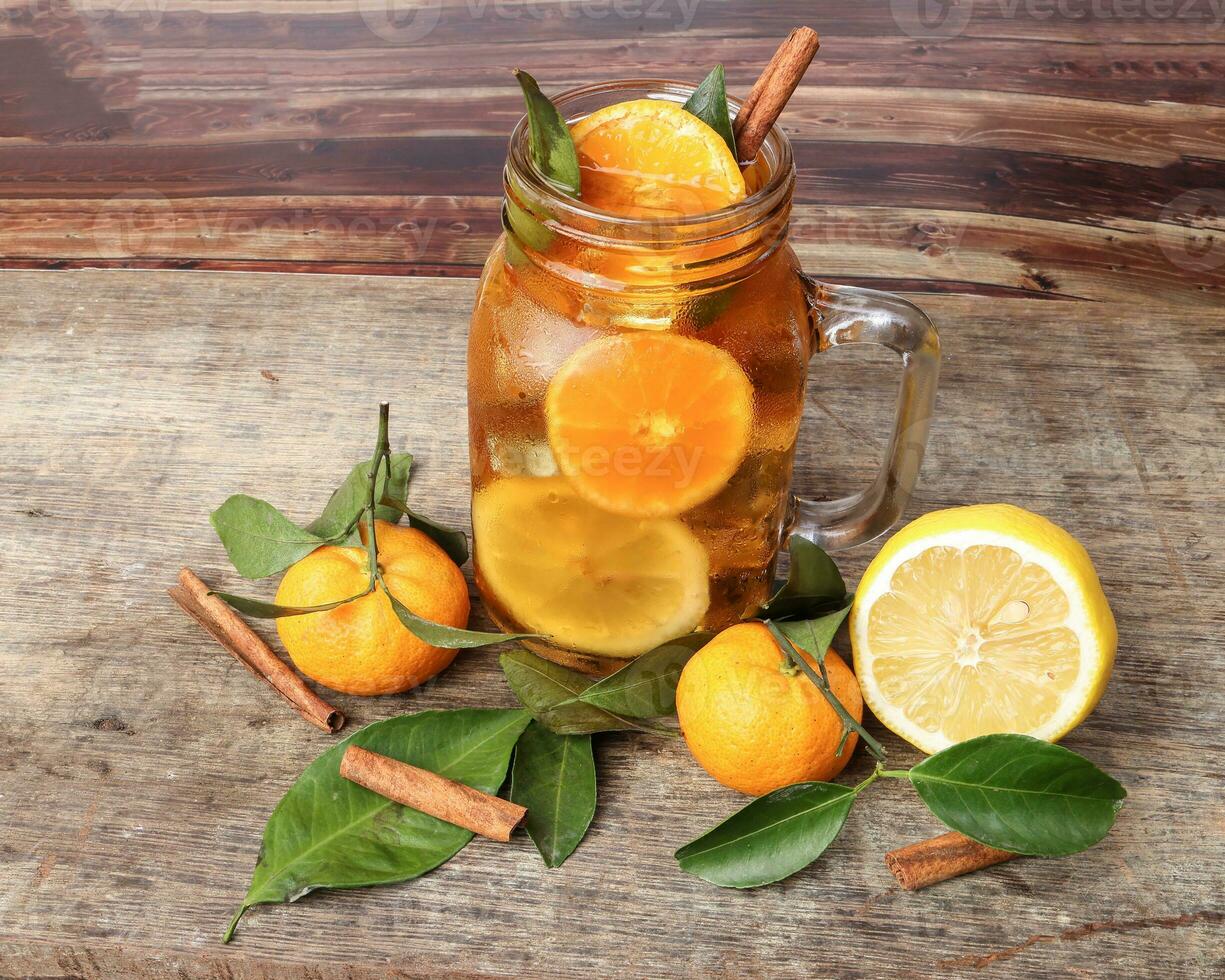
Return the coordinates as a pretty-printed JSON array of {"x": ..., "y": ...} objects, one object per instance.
[
  {"x": 772, "y": 90},
  {"x": 489, "y": 816},
  {"x": 245, "y": 646},
  {"x": 932, "y": 861}
]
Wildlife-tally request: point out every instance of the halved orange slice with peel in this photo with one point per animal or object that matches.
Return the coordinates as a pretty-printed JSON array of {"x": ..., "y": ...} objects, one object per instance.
[
  {"x": 649, "y": 424},
  {"x": 650, "y": 158}
]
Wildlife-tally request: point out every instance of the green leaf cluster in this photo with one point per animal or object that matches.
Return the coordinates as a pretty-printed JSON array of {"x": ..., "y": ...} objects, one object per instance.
[
  {"x": 261, "y": 541},
  {"x": 570, "y": 703},
  {"x": 553, "y": 764},
  {"x": 1010, "y": 792}
]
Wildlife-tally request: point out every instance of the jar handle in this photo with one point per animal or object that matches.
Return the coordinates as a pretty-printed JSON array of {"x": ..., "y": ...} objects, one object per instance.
[{"x": 844, "y": 315}]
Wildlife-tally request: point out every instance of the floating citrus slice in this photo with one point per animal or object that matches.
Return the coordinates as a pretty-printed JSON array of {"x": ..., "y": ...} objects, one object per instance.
[
  {"x": 650, "y": 158},
  {"x": 649, "y": 423},
  {"x": 982, "y": 619},
  {"x": 590, "y": 580}
]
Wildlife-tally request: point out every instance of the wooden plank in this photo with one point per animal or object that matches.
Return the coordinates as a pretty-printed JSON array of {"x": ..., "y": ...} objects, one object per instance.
[
  {"x": 211, "y": 59},
  {"x": 328, "y": 24},
  {"x": 1112, "y": 259},
  {"x": 1150, "y": 135},
  {"x": 138, "y": 763}
]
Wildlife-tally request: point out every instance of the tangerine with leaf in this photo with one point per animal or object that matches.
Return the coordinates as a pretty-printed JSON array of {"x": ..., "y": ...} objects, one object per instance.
[
  {"x": 361, "y": 647},
  {"x": 754, "y": 721}
]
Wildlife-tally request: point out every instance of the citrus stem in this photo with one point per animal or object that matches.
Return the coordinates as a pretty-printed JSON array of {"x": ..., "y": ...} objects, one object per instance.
[
  {"x": 849, "y": 723},
  {"x": 875, "y": 775},
  {"x": 893, "y": 773},
  {"x": 382, "y": 450},
  {"x": 229, "y": 930}
]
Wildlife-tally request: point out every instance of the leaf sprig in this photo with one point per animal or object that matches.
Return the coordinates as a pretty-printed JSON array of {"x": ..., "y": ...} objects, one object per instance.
[
  {"x": 1011, "y": 792},
  {"x": 261, "y": 541}
]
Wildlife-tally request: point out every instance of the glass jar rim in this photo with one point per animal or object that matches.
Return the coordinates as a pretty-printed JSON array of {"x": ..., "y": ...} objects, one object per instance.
[{"x": 776, "y": 190}]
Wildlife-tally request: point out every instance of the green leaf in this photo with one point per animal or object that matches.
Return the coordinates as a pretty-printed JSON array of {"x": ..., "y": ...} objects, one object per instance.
[
  {"x": 259, "y": 539},
  {"x": 813, "y": 587},
  {"x": 554, "y": 777},
  {"x": 551, "y": 144},
  {"x": 708, "y": 307},
  {"x": 351, "y": 498},
  {"x": 452, "y": 541},
  {"x": 330, "y": 833},
  {"x": 258, "y": 609},
  {"x": 709, "y": 103},
  {"x": 1019, "y": 794},
  {"x": 646, "y": 686},
  {"x": 550, "y": 692},
  {"x": 450, "y": 637},
  {"x": 814, "y": 635},
  {"x": 525, "y": 226},
  {"x": 516, "y": 258},
  {"x": 774, "y": 836}
]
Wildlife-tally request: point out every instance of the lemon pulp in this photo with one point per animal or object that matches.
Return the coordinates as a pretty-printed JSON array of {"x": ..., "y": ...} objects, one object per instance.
[
  {"x": 588, "y": 579},
  {"x": 982, "y": 620}
]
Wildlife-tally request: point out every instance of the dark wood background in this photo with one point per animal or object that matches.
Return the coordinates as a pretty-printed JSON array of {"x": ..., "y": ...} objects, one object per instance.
[{"x": 1070, "y": 150}]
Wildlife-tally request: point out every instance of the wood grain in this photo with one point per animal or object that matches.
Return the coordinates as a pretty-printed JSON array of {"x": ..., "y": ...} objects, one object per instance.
[
  {"x": 137, "y": 765},
  {"x": 1024, "y": 121}
]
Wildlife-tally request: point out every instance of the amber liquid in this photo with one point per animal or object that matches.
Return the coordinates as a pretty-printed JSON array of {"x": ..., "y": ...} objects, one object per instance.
[{"x": 528, "y": 321}]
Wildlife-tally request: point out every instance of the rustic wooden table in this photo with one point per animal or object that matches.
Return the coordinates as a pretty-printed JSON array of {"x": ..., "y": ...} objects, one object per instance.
[{"x": 138, "y": 762}]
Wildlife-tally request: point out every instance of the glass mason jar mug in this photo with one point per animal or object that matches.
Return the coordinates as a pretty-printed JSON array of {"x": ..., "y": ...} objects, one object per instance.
[{"x": 635, "y": 390}]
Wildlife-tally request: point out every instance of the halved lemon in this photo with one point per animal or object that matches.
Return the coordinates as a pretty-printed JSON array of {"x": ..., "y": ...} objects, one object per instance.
[
  {"x": 649, "y": 424},
  {"x": 650, "y": 158},
  {"x": 977, "y": 620},
  {"x": 590, "y": 580}
]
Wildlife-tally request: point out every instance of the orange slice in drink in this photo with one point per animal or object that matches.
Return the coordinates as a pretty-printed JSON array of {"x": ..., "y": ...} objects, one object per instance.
[
  {"x": 652, "y": 159},
  {"x": 649, "y": 424}
]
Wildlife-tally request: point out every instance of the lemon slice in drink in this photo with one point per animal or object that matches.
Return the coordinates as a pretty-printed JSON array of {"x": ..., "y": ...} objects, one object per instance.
[
  {"x": 590, "y": 580},
  {"x": 978, "y": 620}
]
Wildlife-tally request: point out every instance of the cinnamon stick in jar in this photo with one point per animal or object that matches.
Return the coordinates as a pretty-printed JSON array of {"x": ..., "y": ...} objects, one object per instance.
[
  {"x": 932, "y": 861},
  {"x": 770, "y": 92},
  {"x": 457, "y": 803}
]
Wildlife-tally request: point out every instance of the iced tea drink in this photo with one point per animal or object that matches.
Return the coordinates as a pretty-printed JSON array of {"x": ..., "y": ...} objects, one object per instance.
[{"x": 636, "y": 382}]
